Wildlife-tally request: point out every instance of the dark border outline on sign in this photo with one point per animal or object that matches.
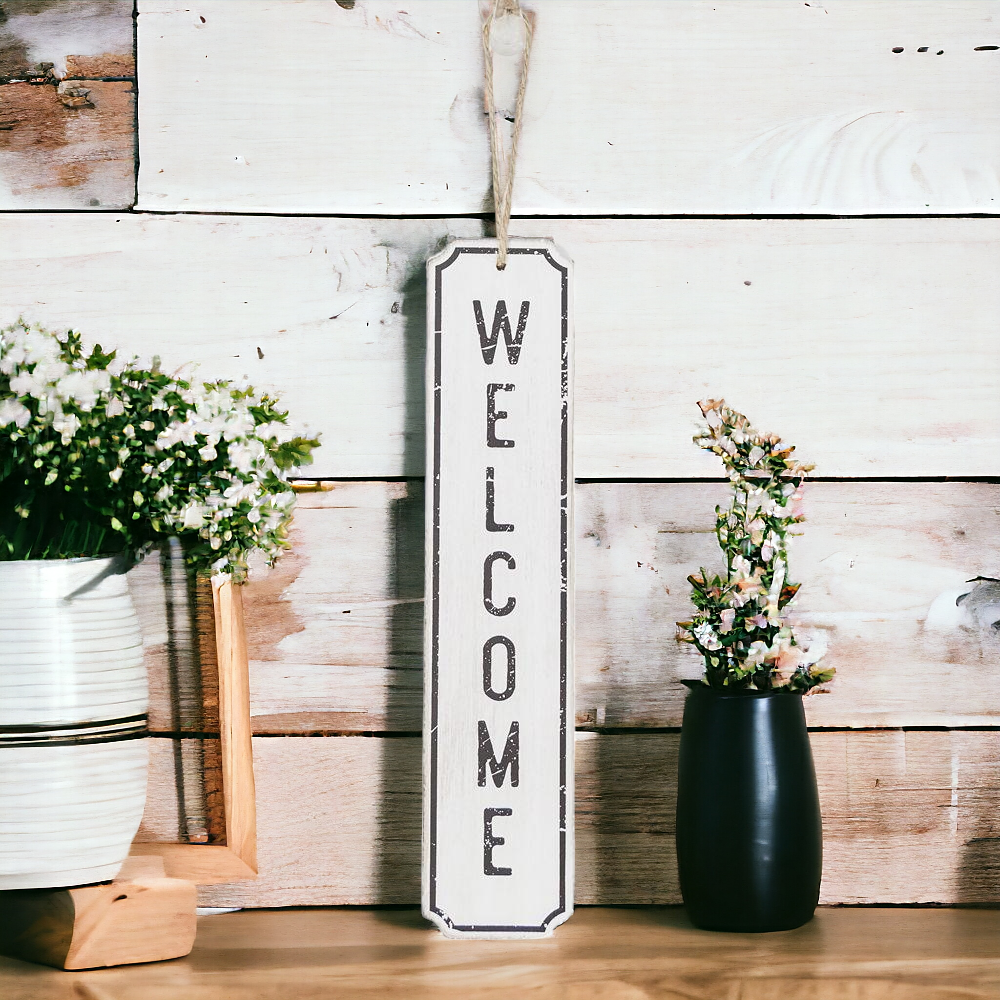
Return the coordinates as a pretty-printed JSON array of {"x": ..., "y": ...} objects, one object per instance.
[{"x": 564, "y": 600}]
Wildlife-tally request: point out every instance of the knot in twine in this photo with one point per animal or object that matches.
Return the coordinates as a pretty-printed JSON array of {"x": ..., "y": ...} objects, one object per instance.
[{"x": 500, "y": 16}]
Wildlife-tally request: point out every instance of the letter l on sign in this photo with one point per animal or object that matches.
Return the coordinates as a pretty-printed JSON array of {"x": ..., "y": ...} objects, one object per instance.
[{"x": 498, "y": 629}]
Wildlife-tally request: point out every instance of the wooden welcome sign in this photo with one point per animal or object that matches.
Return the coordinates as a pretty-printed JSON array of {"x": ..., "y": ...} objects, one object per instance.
[{"x": 498, "y": 718}]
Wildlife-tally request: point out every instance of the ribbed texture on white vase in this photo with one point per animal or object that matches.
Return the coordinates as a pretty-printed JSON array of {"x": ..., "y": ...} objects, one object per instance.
[
  {"x": 72, "y": 764},
  {"x": 69, "y": 813},
  {"x": 70, "y": 644}
]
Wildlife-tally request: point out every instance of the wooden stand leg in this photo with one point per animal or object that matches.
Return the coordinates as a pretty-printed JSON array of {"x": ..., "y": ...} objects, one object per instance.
[{"x": 133, "y": 920}]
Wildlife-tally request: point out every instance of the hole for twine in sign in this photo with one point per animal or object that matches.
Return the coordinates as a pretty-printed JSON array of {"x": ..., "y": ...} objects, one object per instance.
[{"x": 507, "y": 30}]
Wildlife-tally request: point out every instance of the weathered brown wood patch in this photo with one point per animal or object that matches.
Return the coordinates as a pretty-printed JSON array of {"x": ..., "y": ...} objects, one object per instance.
[{"x": 67, "y": 104}]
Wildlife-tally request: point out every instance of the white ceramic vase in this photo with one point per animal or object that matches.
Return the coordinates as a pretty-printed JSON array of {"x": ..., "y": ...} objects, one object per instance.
[{"x": 73, "y": 700}]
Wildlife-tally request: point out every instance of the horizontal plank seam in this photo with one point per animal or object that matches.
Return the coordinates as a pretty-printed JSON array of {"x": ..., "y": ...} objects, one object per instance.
[
  {"x": 415, "y": 907},
  {"x": 600, "y": 730},
  {"x": 194, "y": 734},
  {"x": 810, "y": 479},
  {"x": 443, "y": 216},
  {"x": 612, "y": 480},
  {"x": 628, "y": 730},
  {"x": 8, "y": 81},
  {"x": 595, "y": 217}
]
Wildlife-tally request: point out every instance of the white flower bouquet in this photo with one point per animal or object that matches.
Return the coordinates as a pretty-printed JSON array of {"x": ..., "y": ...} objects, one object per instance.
[
  {"x": 100, "y": 456},
  {"x": 741, "y": 625}
]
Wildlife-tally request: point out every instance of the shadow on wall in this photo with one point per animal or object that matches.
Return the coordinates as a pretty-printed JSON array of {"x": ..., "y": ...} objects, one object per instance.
[
  {"x": 397, "y": 873},
  {"x": 626, "y": 786}
]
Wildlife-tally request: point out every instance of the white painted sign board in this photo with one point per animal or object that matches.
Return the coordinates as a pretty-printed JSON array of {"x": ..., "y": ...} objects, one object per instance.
[{"x": 498, "y": 703}]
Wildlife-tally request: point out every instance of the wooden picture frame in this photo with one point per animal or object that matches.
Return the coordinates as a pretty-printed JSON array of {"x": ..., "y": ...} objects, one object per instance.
[{"x": 236, "y": 859}]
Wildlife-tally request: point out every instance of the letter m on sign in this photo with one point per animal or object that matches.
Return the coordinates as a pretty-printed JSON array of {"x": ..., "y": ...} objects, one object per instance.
[
  {"x": 501, "y": 322},
  {"x": 510, "y": 758}
]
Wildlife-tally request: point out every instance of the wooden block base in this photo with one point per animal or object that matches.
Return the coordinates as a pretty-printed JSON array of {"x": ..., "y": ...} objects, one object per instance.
[{"x": 119, "y": 923}]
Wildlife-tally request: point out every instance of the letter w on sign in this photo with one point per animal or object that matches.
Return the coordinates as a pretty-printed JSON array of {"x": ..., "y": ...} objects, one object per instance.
[
  {"x": 501, "y": 322},
  {"x": 498, "y": 712}
]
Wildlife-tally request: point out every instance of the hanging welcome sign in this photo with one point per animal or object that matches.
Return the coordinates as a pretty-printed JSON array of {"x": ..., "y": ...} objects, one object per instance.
[{"x": 498, "y": 719}]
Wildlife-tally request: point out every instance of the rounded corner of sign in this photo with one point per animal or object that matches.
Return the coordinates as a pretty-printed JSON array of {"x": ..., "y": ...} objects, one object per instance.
[
  {"x": 557, "y": 255},
  {"x": 445, "y": 256},
  {"x": 439, "y": 920},
  {"x": 554, "y": 920}
]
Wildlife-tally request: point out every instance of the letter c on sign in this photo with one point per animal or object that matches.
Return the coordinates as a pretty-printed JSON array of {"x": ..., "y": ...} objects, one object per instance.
[{"x": 488, "y": 584}]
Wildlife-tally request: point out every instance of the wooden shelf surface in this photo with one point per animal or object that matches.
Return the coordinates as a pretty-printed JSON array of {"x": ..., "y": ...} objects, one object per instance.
[{"x": 601, "y": 954}]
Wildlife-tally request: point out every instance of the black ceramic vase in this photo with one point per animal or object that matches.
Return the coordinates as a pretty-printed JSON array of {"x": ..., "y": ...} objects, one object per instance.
[{"x": 749, "y": 834}]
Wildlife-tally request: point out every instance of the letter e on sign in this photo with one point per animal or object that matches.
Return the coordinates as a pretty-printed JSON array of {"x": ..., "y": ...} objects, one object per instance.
[{"x": 498, "y": 644}]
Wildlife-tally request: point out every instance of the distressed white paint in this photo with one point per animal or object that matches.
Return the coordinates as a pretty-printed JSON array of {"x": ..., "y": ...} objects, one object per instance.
[
  {"x": 498, "y": 763},
  {"x": 335, "y": 630},
  {"x": 80, "y": 28},
  {"x": 632, "y": 107},
  {"x": 870, "y": 343}
]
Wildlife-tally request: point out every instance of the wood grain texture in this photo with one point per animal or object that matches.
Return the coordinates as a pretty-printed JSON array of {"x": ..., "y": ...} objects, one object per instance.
[
  {"x": 601, "y": 954},
  {"x": 54, "y": 156},
  {"x": 908, "y": 817},
  {"x": 632, "y": 107},
  {"x": 95, "y": 926},
  {"x": 67, "y": 104},
  {"x": 847, "y": 316},
  {"x": 334, "y": 630},
  {"x": 234, "y": 723}
]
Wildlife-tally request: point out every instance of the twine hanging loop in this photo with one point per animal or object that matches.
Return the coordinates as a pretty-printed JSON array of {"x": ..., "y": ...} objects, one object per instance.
[{"x": 502, "y": 161}]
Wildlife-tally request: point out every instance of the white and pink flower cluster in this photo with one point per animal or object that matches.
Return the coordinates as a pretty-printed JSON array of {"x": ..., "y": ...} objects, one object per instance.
[{"x": 741, "y": 624}]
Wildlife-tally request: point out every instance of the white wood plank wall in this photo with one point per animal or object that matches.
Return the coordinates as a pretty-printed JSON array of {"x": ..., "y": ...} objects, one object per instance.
[
  {"x": 298, "y": 160},
  {"x": 870, "y": 343},
  {"x": 634, "y": 107}
]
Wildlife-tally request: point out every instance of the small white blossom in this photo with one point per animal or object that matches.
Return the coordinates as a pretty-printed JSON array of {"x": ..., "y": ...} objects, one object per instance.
[
  {"x": 13, "y": 411},
  {"x": 193, "y": 516},
  {"x": 705, "y": 634}
]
